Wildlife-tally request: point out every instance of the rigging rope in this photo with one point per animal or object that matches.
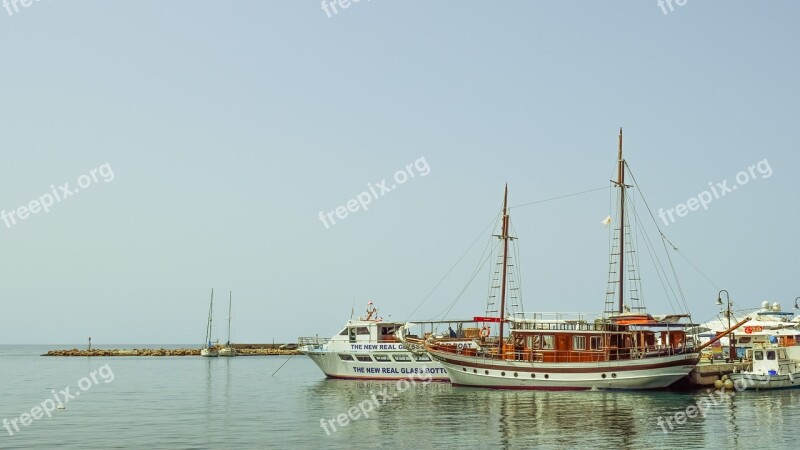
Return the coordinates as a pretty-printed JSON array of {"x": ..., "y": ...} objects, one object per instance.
[
  {"x": 483, "y": 233},
  {"x": 665, "y": 240},
  {"x": 560, "y": 197}
]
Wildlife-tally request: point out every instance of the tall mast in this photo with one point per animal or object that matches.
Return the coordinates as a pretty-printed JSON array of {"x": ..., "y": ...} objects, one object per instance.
[
  {"x": 230, "y": 298},
  {"x": 505, "y": 239},
  {"x": 621, "y": 184},
  {"x": 210, "y": 314}
]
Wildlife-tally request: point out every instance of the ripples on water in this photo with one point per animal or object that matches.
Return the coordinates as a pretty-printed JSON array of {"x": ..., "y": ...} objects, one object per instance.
[{"x": 192, "y": 402}]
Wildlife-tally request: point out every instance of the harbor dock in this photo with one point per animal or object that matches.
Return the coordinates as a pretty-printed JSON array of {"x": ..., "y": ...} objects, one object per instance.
[{"x": 706, "y": 373}]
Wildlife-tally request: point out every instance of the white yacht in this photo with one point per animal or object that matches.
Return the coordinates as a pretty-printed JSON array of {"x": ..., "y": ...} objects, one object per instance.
[
  {"x": 769, "y": 320},
  {"x": 370, "y": 348}
]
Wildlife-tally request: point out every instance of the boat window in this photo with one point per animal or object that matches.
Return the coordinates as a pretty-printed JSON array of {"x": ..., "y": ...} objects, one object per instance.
[
  {"x": 758, "y": 355},
  {"x": 534, "y": 341},
  {"x": 548, "y": 342},
  {"x": 422, "y": 357},
  {"x": 382, "y": 358},
  {"x": 594, "y": 342},
  {"x": 743, "y": 340},
  {"x": 364, "y": 358},
  {"x": 385, "y": 331},
  {"x": 579, "y": 342},
  {"x": 771, "y": 355},
  {"x": 401, "y": 358},
  {"x": 363, "y": 330},
  {"x": 345, "y": 357},
  {"x": 343, "y": 333}
]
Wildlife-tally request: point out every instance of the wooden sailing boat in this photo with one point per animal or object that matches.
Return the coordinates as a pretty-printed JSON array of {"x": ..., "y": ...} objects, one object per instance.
[
  {"x": 209, "y": 350},
  {"x": 228, "y": 350},
  {"x": 620, "y": 349}
]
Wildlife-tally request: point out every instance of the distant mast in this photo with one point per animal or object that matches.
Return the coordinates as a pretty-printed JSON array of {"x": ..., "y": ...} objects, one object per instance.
[
  {"x": 621, "y": 184},
  {"x": 505, "y": 239},
  {"x": 210, "y": 318},
  {"x": 230, "y": 299}
]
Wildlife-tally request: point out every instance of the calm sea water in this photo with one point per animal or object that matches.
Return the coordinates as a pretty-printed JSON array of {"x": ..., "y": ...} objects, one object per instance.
[{"x": 219, "y": 403}]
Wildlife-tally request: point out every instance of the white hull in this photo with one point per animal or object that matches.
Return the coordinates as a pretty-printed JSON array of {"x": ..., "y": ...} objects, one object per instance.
[
  {"x": 209, "y": 352},
  {"x": 334, "y": 367},
  {"x": 370, "y": 349},
  {"x": 646, "y": 373},
  {"x": 227, "y": 351},
  {"x": 744, "y": 380}
]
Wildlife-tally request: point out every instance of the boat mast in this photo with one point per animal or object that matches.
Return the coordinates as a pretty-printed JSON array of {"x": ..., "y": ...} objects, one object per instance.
[
  {"x": 210, "y": 318},
  {"x": 505, "y": 239},
  {"x": 230, "y": 297},
  {"x": 621, "y": 184}
]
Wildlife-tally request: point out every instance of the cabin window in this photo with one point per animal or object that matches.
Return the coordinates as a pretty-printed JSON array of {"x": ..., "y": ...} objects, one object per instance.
[
  {"x": 771, "y": 355},
  {"x": 579, "y": 342},
  {"x": 401, "y": 358},
  {"x": 422, "y": 357},
  {"x": 362, "y": 330},
  {"x": 386, "y": 331},
  {"x": 758, "y": 355},
  {"x": 382, "y": 358},
  {"x": 743, "y": 340},
  {"x": 594, "y": 342},
  {"x": 548, "y": 342},
  {"x": 364, "y": 358},
  {"x": 534, "y": 341},
  {"x": 343, "y": 333},
  {"x": 345, "y": 357}
]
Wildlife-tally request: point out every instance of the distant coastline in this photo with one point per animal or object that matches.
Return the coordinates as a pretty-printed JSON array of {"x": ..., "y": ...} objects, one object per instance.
[{"x": 173, "y": 350}]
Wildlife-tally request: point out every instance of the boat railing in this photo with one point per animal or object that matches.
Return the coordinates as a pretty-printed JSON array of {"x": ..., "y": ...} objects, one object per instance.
[
  {"x": 312, "y": 342},
  {"x": 565, "y": 326},
  {"x": 555, "y": 317}
]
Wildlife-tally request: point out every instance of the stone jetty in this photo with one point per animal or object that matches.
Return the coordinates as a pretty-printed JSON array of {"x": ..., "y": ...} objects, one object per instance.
[
  {"x": 706, "y": 373},
  {"x": 241, "y": 350}
]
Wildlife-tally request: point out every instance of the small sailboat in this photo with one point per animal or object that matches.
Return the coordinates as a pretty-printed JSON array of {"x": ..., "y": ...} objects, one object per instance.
[
  {"x": 228, "y": 350},
  {"x": 209, "y": 350}
]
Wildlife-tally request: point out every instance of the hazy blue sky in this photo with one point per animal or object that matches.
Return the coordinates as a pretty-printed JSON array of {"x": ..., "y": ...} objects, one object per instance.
[{"x": 229, "y": 126}]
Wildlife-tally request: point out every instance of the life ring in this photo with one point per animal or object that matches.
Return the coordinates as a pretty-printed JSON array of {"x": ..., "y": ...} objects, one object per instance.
[{"x": 485, "y": 332}]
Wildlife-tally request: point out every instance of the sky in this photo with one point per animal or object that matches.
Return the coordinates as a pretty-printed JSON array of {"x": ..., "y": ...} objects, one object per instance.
[{"x": 162, "y": 149}]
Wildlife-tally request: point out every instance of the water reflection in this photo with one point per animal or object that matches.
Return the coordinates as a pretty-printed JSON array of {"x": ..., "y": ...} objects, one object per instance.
[{"x": 460, "y": 416}]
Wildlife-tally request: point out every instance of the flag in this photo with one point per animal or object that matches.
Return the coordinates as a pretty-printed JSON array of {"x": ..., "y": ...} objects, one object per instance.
[{"x": 606, "y": 221}]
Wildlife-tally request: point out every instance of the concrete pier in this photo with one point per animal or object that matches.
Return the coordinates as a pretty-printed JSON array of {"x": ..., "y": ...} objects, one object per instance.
[{"x": 706, "y": 373}]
